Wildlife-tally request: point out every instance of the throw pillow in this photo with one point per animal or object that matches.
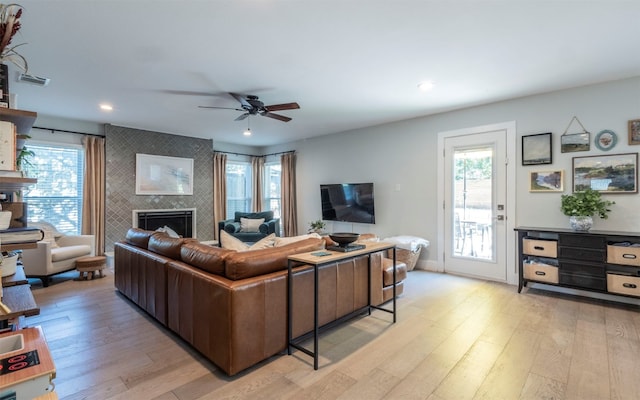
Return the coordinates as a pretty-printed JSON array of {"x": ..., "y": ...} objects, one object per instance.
[
  {"x": 230, "y": 242},
  {"x": 281, "y": 241},
  {"x": 50, "y": 232},
  {"x": 168, "y": 231},
  {"x": 263, "y": 243},
  {"x": 250, "y": 225}
]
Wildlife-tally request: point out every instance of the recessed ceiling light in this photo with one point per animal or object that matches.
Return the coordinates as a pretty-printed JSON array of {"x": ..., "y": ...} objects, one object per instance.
[
  {"x": 106, "y": 107},
  {"x": 425, "y": 86}
]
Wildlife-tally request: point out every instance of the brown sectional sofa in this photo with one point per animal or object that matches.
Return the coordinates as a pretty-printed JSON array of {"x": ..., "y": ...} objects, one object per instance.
[{"x": 232, "y": 306}]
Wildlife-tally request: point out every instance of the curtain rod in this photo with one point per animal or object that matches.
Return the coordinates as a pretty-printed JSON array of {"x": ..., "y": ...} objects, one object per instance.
[
  {"x": 253, "y": 155},
  {"x": 52, "y": 130}
]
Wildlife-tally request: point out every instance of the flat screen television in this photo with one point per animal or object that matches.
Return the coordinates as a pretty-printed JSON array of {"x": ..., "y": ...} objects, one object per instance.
[{"x": 348, "y": 202}]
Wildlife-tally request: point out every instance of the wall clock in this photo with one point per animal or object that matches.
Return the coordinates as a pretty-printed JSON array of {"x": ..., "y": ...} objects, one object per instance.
[{"x": 606, "y": 140}]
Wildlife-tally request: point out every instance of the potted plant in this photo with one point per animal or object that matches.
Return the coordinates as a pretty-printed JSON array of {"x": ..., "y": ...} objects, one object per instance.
[
  {"x": 582, "y": 206},
  {"x": 23, "y": 159},
  {"x": 317, "y": 226}
]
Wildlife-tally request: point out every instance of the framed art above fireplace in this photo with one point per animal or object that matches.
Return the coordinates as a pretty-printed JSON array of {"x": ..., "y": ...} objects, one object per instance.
[{"x": 163, "y": 175}]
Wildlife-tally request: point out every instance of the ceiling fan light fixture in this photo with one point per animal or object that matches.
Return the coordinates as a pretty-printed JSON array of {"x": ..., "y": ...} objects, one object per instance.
[{"x": 247, "y": 132}]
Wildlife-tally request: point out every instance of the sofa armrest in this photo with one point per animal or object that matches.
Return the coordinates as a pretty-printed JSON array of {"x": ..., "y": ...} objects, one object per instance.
[
  {"x": 232, "y": 227},
  {"x": 271, "y": 226},
  {"x": 37, "y": 262}
]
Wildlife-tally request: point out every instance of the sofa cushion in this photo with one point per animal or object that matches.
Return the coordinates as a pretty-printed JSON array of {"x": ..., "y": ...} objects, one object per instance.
[
  {"x": 205, "y": 257},
  {"x": 230, "y": 242},
  {"x": 165, "y": 245},
  {"x": 250, "y": 224},
  {"x": 138, "y": 237},
  {"x": 68, "y": 252},
  {"x": 282, "y": 241},
  {"x": 251, "y": 263}
]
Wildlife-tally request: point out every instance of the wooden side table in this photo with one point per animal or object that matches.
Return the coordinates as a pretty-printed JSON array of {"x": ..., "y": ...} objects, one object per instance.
[{"x": 91, "y": 266}]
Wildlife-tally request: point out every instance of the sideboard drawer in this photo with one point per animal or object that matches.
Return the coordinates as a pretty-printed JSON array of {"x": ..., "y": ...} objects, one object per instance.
[
  {"x": 543, "y": 248},
  {"x": 582, "y": 268},
  {"x": 624, "y": 255},
  {"x": 623, "y": 284},
  {"x": 583, "y": 281},
  {"x": 541, "y": 272},
  {"x": 585, "y": 254},
  {"x": 582, "y": 240}
]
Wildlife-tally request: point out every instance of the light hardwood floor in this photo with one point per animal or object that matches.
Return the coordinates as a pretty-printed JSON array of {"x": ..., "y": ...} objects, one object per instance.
[{"x": 456, "y": 338}]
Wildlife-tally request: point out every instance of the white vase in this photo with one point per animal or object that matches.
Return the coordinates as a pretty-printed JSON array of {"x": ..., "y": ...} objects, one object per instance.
[{"x": 581, "y": 223}]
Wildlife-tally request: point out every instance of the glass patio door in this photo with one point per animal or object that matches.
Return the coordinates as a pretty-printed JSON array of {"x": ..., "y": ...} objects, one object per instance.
[{"x": 475, "y": 193}]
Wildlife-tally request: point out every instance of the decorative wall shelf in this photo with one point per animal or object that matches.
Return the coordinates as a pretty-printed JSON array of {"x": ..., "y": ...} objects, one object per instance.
[
  {"x": 11, "y": 184},
  {"x": 22, "y": 119}
]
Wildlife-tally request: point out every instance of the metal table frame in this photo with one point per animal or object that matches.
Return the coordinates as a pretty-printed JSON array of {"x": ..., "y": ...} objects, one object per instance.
[{"x": 317, "y": 262}]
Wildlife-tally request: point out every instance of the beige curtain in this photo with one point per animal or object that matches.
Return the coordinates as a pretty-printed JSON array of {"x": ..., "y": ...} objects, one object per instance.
[
  {"x": 288, "y": 186},
  {"x": 219, "y": 190},
  {"x": 257, "y": 174},
  {"x": 93, "y": 197}
]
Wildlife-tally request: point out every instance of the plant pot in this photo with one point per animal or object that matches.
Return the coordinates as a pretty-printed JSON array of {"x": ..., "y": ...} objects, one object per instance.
[
  {"x": 9, "y": 264},
  {"x": 5, "y": 219},
  {"x": 581, "y": 224}
]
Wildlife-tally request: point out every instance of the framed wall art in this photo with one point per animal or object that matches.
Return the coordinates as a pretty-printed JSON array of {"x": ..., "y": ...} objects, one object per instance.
[
  {"x": 615, "y": 173},
  {"x": 536, "y": 149},
  {"x": 605, "y": 140},
  {"x": 575, "y": 142},
  {"x": 546, "y": 181},
  {"x": 634, "y": 131},
  {"x": 163, "y": 175}
]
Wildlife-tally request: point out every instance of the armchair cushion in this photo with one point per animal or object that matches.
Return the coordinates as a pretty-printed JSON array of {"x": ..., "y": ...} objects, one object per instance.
[
  {"x": 250, "y": 224},
  {"x": 266, "y": 215},
  {"x": 67, "y": 252}
]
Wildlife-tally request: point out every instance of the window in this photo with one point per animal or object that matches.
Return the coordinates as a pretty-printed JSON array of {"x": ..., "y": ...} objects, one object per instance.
[
  {"x": 238, "y": 187},
  {"x": 57, "y": 197},
  {"x": 271, "y": 198}
]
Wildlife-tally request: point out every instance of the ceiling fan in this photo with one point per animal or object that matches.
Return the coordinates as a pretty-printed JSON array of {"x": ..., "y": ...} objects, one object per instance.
[{"x": 251, "y": 105}]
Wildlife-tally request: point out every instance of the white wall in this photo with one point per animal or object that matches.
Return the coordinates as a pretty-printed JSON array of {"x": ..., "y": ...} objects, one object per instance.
[{"x": 403, "y": 155}]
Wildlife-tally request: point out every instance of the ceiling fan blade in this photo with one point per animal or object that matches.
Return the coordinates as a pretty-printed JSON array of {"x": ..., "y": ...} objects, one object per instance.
[
  {"x": 241, "y": 99},
  {"x": 280, "y": 107},
  {"x": 276, "y": 116},
  {"x": 243, "y": 116},
  {"x": 189, "y": 93},
  {"x": 222, "y": 108}
]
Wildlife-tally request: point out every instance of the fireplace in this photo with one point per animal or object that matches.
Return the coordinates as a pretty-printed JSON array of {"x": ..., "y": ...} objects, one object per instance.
[{"x": 182, "y": 221}]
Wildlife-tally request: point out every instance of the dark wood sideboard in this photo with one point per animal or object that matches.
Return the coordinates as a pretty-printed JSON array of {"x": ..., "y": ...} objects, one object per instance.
[{"x": 597, "y": 261}]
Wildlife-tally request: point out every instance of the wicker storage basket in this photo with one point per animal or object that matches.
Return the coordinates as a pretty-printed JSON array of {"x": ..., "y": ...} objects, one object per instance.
[{"x": 410, "y": 258}]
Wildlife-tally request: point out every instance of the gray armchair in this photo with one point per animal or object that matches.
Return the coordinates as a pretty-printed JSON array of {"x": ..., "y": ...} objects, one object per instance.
[{"x": 251, "y": 232}]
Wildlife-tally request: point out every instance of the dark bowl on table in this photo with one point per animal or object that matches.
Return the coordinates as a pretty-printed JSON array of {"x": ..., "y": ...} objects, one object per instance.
[{"x": 344, "y": 239}]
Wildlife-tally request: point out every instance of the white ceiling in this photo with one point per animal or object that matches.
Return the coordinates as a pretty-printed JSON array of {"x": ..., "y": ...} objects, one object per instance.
[{"x": 348, "y": 63}]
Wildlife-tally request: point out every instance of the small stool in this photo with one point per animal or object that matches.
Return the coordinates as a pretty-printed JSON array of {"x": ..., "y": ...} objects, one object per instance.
[{"x": 90, "y": 266}]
